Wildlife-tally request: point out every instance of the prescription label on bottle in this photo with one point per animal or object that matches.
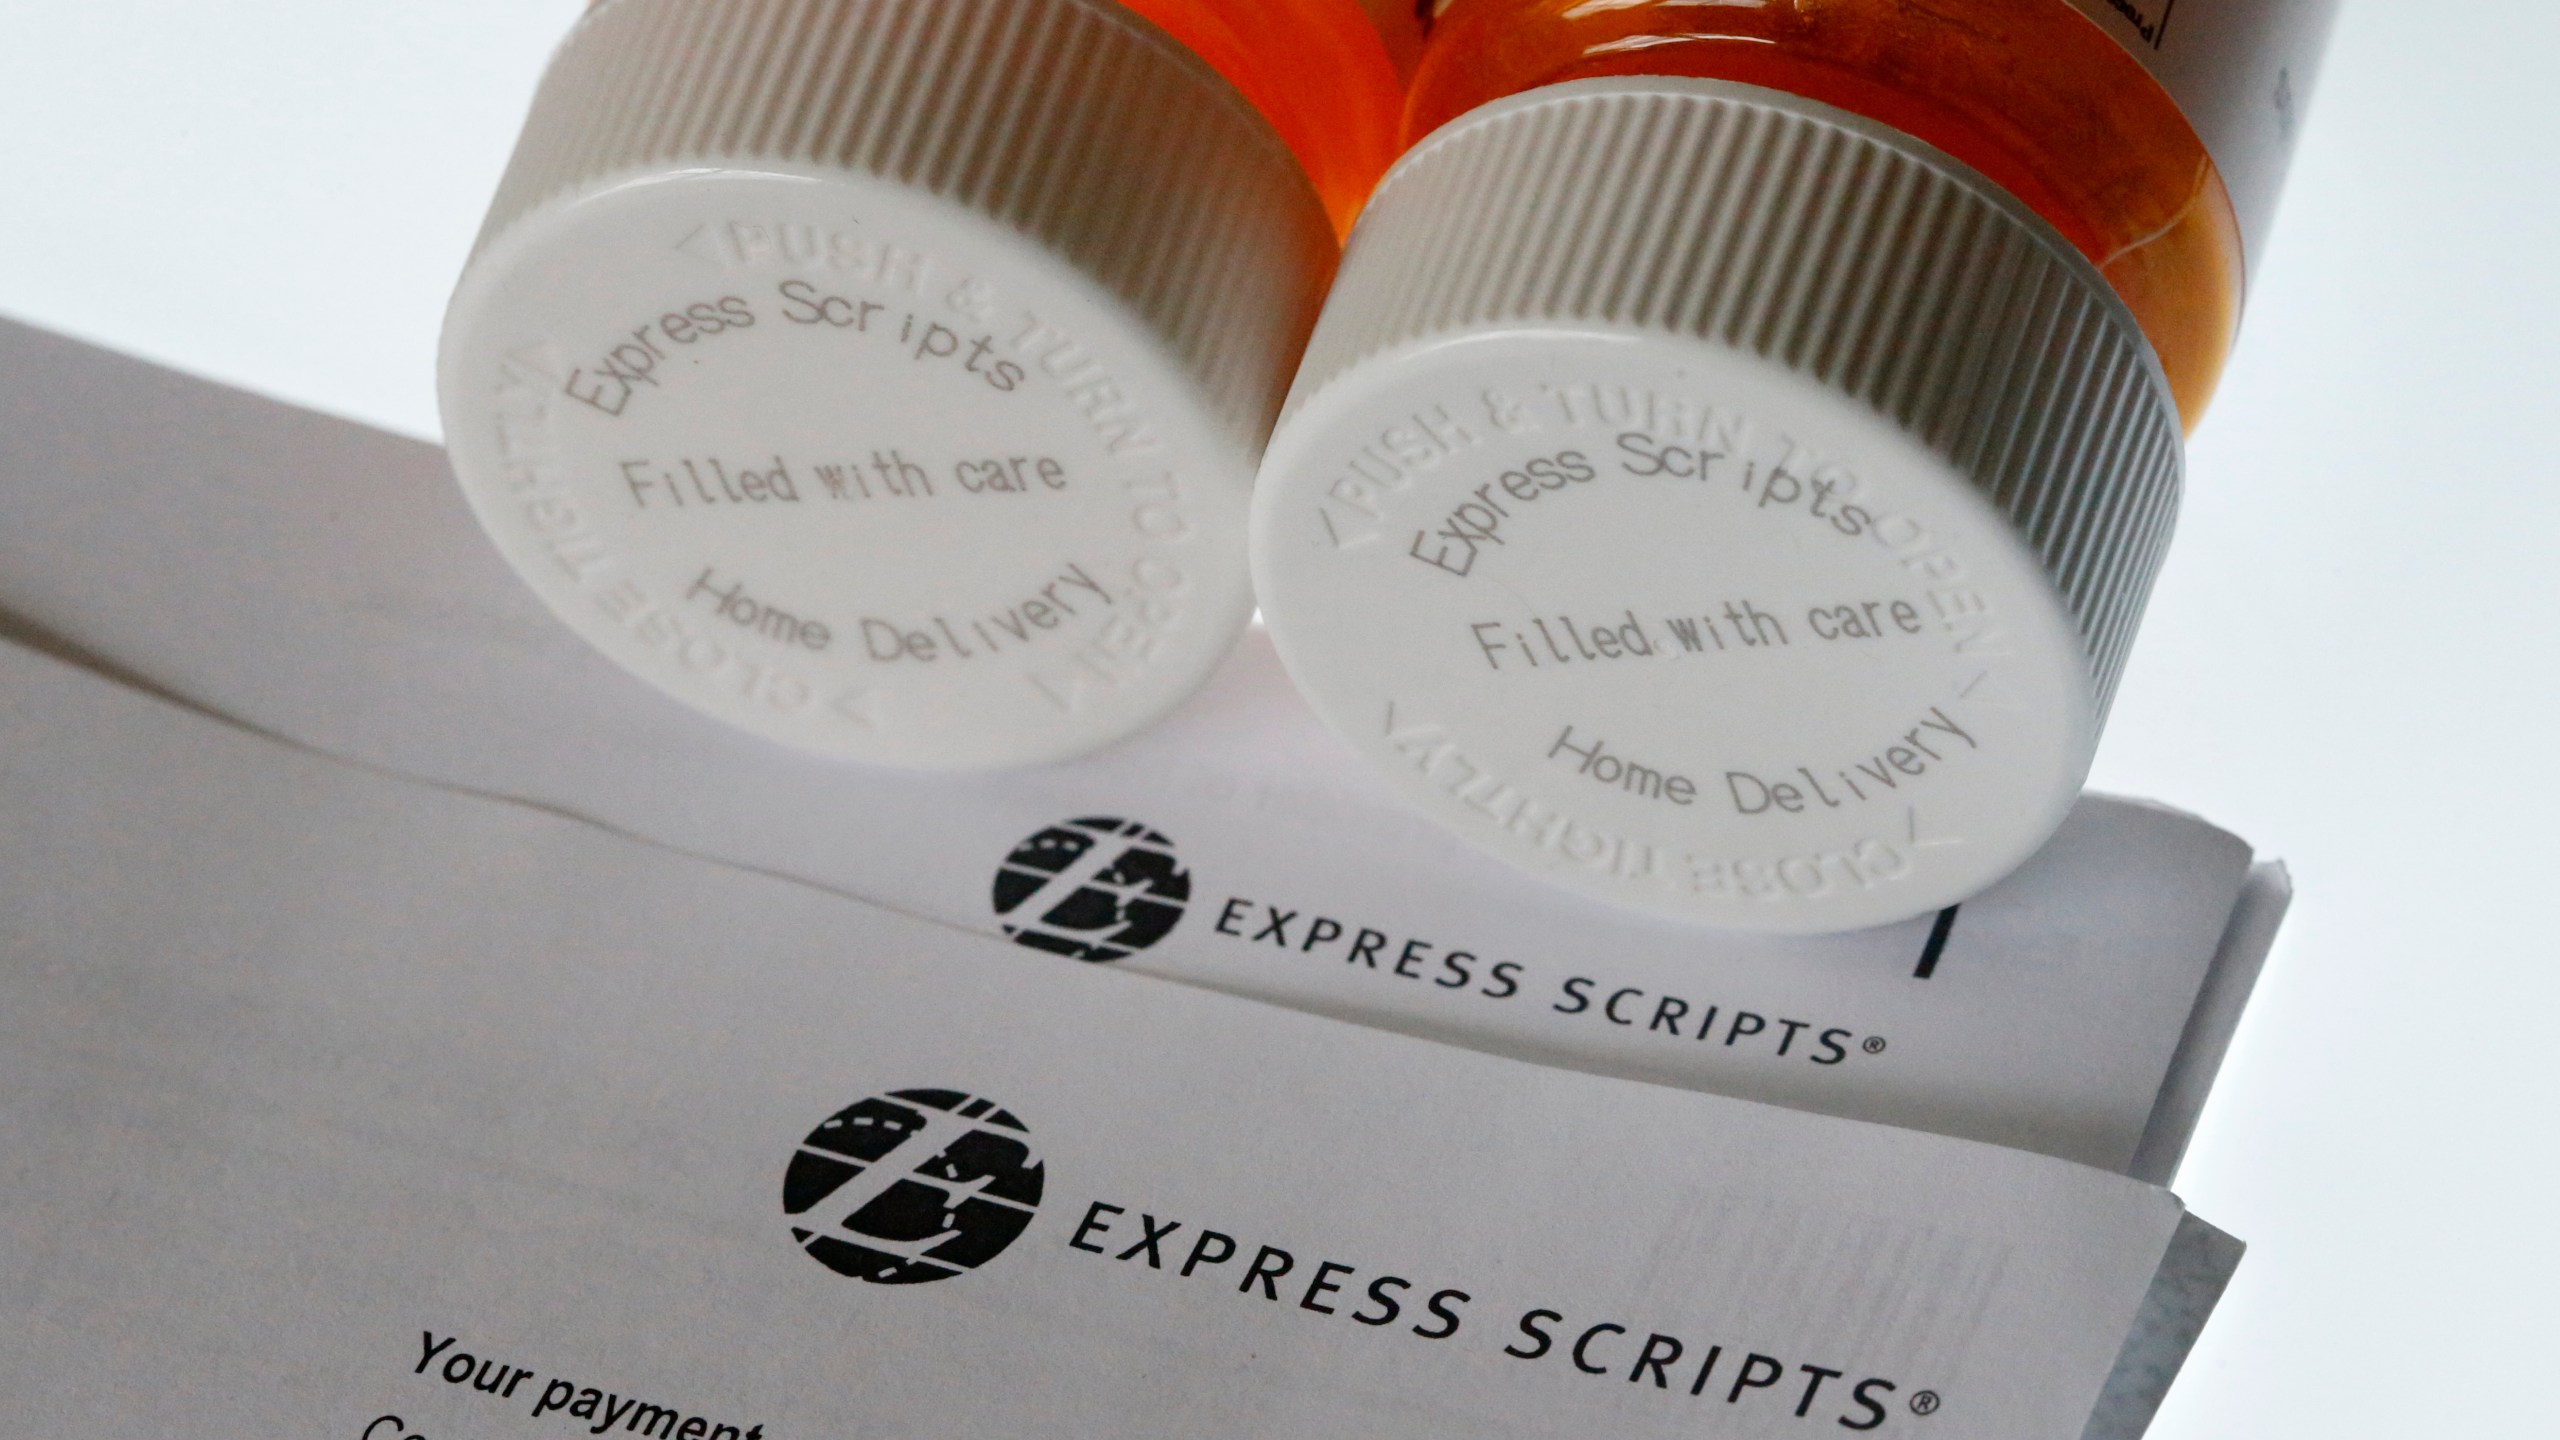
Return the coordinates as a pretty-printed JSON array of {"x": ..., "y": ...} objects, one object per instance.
[
  {"x": 1685, "y": 634},
  {"x": 862, "y": 474},
  {"x": 2242, "y": 73}
]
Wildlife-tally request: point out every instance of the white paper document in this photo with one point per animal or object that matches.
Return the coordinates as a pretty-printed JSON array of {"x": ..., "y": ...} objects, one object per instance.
[
  {"x": 334, "y": 1104},
  {"x": 323, "y": 582}
]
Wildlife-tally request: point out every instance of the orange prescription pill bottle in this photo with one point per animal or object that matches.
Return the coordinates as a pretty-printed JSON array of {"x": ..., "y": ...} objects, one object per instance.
[
  {"x": 1736, "y": 452},
  {"x": 887, "y": 377}
]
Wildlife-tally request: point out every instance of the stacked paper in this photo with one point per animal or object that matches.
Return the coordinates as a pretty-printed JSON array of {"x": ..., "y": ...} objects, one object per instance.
[{"x": 384, "y": 1061}]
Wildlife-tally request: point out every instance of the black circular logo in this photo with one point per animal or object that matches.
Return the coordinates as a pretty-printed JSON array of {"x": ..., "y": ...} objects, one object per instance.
[
  {"x": 912, "y": 1186},
  {"x": 1093, "y": 889}
]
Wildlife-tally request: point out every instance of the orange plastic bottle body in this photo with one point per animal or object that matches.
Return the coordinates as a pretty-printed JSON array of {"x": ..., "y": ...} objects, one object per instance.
[
  {"x": 1325, "y": 73},
  {"x": 2029, "y": 92},
  {"x": 1318, "y": 70}
]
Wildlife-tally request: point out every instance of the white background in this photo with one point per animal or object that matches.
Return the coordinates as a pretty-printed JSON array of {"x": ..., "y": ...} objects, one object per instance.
[{"x": 2350, "y": 660}]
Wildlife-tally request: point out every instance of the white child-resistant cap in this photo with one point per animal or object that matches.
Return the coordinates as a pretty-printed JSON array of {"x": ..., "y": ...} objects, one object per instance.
[
  {"x": 886, "y": 377},
  {"x": 1716, "y": 502}
]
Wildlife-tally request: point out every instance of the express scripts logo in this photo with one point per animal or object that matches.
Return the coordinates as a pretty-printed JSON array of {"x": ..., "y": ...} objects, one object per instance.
[
  {"x": 1101, "y": 889},
  {"x": 916, "y": 1186},
  {"x": 912, "y": 1186},
  {"x": 1092, "y": 889}
]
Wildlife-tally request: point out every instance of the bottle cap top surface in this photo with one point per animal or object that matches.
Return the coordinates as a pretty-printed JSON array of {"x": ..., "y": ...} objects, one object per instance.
[
  {"x": 874, "y": 374},
  {"x": 1709, "y": 500}
]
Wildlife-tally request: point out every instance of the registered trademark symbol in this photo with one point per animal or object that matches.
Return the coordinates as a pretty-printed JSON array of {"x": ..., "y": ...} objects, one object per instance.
[
  {"x": 1875, "y": 1046},
  {"x": 1925, "y": 1403}
]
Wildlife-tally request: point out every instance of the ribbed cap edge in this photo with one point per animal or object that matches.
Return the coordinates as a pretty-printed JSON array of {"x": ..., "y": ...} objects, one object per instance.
[
  {"x": 1816, "y": 240},
  {"x": 1073, "y": 122}
]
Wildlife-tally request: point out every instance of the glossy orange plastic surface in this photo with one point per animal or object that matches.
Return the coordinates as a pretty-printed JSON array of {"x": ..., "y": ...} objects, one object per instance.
[
  {"x": 2029, "y": 92},
  {"x": 1316, "y": 69}
]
